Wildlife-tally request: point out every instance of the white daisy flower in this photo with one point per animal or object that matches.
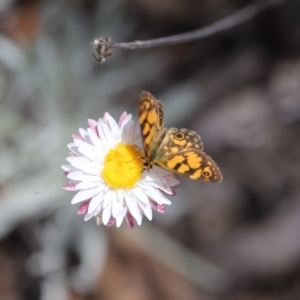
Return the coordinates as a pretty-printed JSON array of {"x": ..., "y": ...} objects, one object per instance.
[{"x": 107, "y": 171}]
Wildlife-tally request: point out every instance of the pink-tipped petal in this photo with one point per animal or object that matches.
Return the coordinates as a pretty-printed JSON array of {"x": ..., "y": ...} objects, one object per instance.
[
  {"x": 111, "y": 221},
  {"x": 93, "y": 125},
  {"x": 77, "y": 136},
  {"x": 83, "y": 207},
  {"x": 105, "y": 116},
  {"x": 158, "y": 207},
  {"x": 174, "y": 193},
  {"x": 129, "y": 125},
  {"x": 130, "y": 220},
  {"x": 122, "y": 118},
  {"x": 70, "y": 185}
]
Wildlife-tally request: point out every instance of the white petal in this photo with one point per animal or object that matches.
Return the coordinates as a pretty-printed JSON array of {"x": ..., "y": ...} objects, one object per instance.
[
  {"x": 95, "y": 139},
  {"x": 133, "y": 208},
  {"x": 83, "y": 133},
  {"x": 68, "y": 168},
  {"x": 171, "y": 181},
  {"x": 107, "y": 137},
  {"x": 157, "y": 182},
  {"x": 98, "y": 209},
  {"x": 127, "y": 133},
  {"x": 86, "y": 185},
  {"x": 148, "y": 211},
  {"x": 99, "y": 125},
  {"x": 120, "y": 197},
  {"x": 90, "y": 153},
  {"x": 83, "y": 195},
  {"x": 108, "y": 198},
  {"x": 106, "y": 214},
  {"x": 120, "y": 217},
  {"x": 157, "y": 196},
  {"x": 74, "y": 149},
  {"x": 85, "y": 165},
  {"x": 80, "y": 176},
  {"x": 101, "y": 187},
  {"x": 162, "y": 187},
  {"x": 95, "y": 202},
  {"x": 93, "y": 214},
  {"x": 115, "y": 205},
  {"x": 93, "y": 170},
  {"x": 87, "y": 150},
  {"x": 119, "y": 207},
  {"x": 88, "y": 216},
  {"x": 79, "y": 161},
  {"x": 126, "y": 120},
  {"x": 114, "y": 127},
  {"x": 140, "y": 194}
]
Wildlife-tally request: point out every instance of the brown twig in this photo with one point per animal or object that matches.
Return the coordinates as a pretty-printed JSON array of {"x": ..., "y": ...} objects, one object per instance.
[{"x": 103, "y": 46}]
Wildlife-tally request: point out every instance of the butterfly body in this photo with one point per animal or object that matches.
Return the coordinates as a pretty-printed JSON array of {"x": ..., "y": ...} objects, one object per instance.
[{"x": 177, "y": 150}]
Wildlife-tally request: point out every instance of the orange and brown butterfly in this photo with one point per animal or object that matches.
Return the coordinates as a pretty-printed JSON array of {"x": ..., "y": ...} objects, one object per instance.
[{"x": 177, "y": 150}]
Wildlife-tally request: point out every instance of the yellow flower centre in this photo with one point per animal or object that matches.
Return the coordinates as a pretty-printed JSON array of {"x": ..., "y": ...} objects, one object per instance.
[{"x": 123, "y": 166}]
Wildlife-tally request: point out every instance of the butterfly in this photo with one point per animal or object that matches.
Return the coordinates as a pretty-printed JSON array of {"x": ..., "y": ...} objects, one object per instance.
[{"x": 177, "y": 150}]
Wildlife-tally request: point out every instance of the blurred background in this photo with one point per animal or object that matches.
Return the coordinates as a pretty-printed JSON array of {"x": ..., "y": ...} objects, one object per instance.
[{"x": 240, "y": 90}]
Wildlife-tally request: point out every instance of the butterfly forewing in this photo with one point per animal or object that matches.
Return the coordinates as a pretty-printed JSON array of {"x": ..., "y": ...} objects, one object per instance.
[{"x": 151, "y": 119}]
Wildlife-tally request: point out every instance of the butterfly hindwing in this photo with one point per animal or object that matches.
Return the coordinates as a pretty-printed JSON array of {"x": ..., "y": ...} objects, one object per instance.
[{"x": 181, "y": 151}]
